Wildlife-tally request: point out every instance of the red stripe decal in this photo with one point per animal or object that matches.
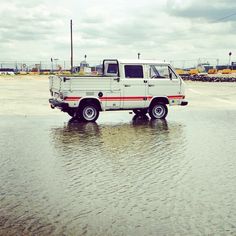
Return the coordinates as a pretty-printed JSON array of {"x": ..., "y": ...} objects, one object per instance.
[
  {"x": 72, "y": 98},
  {"x": 133, "y": 98},
  {"x": 138, "y": 98},
  {"x": 176, "y": 97}
]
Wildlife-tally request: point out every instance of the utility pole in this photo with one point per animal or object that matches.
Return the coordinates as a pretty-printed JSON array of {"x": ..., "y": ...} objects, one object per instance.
[
  {"x": 52, "y": 64},
  {"x": 230, "y": 54},
  {"x": 71, "y": 47}
]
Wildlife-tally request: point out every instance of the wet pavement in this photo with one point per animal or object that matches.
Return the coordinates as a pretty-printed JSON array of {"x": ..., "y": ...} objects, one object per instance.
[{"x": 122, "y": 175}]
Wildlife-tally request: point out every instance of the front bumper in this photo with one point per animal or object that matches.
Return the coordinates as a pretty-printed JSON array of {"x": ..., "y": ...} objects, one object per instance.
[
  {"x": 55, "y": 103},
  {"x": 184, "y": 103}
]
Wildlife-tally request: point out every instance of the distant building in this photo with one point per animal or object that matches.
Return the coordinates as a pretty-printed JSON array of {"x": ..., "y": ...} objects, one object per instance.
[
  {"x": 7, "y": 71},
  {"x": 76, "y": 69},
  {"x": 233, "y": 66},
  {"x": 83, "y": 64},
  {"x": 204, "y": 67},
  {"x": 99, "y": 69},
  {"x": 222, "y": 67}
]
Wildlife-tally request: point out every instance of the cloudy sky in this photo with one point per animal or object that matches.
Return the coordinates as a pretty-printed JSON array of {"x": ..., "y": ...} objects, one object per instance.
[{"x": 158, "y": 29}]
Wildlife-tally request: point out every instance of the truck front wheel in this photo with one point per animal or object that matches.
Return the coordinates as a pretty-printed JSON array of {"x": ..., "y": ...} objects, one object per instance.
[
  {"x": 158, "y": 111},
  {"x": 89, "y": 112}
]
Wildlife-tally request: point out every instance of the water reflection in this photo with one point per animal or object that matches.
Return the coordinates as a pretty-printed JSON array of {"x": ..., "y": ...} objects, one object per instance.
[
  {"x": 86, "y": 128},
  {"x": 117, "y": 171},
  {"x": 144, "y": 120},
  {"x": 98, "y": 177},
  {"x": 140, "y": 138}
]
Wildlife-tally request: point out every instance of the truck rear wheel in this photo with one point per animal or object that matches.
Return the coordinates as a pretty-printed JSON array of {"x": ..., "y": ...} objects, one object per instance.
[
  {"x": 89, "y": 112},
  {"x": 158, "y": 111}
]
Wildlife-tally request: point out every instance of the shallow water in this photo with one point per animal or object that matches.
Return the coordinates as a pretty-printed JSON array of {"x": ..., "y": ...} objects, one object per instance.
[{"x": 120, "y": 176}]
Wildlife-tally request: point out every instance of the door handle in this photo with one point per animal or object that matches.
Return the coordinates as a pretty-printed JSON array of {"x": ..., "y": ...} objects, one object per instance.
[
  {"x": 127, "y": 85},
  {"x": 117, "y": 79},
  {"x": 151, "y": 85}
]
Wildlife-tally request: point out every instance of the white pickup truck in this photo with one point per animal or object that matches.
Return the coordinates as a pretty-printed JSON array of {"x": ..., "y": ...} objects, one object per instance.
[{"x": 144, "y": 86}]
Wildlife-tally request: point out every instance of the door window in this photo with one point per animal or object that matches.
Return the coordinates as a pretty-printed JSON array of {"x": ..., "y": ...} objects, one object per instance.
[
  {"x": 133, "y": 71},
  {"x": 159, "y": 71}
]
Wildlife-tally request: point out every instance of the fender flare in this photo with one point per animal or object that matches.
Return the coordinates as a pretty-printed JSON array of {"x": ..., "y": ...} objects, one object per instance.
[
  {"x": 163, "y": 99},
  {"x": 90, "y": 100}
]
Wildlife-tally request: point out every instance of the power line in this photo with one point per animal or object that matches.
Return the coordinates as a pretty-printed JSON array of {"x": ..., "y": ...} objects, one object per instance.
[{"x": 225, "y": 17}]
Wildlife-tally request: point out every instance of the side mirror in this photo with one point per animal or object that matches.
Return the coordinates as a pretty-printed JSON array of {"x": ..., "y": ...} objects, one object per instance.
[{"x": 170, "y": 75}]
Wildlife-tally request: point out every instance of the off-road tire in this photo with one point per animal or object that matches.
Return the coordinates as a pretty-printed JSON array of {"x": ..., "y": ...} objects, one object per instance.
[
  {"x": 88, "y": 112},
  {"x": 158, "y": 111}
]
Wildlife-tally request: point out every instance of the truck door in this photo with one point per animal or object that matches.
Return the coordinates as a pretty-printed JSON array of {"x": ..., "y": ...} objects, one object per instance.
[
  {"x": 112, "y": 96},
  {"x": 134, "y": 87},
  {"x": 163, "y": 81}
]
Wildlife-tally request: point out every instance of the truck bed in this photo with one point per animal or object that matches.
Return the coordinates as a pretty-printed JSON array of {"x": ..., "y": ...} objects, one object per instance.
[{"x": 74, "y": 83}]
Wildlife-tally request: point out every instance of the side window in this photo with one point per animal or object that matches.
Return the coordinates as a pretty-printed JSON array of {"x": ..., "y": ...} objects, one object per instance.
[
  {"x": 133, "y": 71},
  {"x": 112, "y": 68},
  {"x": 159, "y": 71}
]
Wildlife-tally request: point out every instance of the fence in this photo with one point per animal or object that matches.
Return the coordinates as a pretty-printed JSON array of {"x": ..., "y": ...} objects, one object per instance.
[
  {"x": 42, "y": 66},
  {"x": 54, "y": 65}
]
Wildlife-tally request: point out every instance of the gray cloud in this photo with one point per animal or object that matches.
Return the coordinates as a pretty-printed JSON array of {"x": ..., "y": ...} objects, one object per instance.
[
  {"x": 29, "y": 30},
  {"x": 26, "y": 3},
  {"x": 206, "y": 10},
  {"x": 29, "y": 23},
  {"x": 165, "y": 29}
]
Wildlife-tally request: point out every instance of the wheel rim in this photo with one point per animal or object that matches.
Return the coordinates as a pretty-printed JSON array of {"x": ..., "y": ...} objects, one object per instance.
[
  {"x": 158, "y": 111},
  {"x": 89, "y": 113}
]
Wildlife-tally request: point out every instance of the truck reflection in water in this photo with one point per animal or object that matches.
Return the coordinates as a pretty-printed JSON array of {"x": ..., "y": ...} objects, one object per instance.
[
  {"x": 139, "y": 138},
  {"x": 116, "y": 174}
]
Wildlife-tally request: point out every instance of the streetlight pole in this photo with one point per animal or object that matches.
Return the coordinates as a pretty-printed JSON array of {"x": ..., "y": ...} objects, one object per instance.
[
  {"x": 230, "y": 54},
  {"x": 52, "y": 64}
]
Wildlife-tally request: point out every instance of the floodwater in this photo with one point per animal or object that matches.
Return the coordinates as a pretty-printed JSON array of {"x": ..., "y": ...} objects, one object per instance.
[{"x": 122, "y": 175}]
